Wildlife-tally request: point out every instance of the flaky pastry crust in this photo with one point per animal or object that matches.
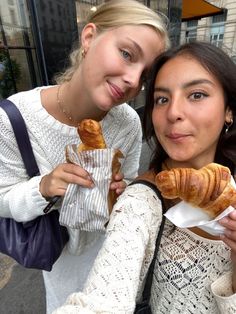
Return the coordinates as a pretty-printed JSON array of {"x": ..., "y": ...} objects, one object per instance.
[
  {"x": 90, "y": 133},
  {"x": 208, "y": 188}
]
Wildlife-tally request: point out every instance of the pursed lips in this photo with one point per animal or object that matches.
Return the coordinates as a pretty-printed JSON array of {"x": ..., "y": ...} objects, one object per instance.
[{"x": 177, "y": 136}]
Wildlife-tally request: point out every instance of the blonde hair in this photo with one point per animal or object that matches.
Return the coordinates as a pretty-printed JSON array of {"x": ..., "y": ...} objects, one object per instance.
[{"x": 116, "y": 13}]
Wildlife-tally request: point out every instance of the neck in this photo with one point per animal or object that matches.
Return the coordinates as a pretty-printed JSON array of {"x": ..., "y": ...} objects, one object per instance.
[
  {"x": 170, "y": 164},
  {"x": 75, "y": 111}
]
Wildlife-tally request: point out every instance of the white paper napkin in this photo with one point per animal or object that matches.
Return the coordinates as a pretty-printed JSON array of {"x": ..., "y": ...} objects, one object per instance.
[{"x": 183, "y": 215}]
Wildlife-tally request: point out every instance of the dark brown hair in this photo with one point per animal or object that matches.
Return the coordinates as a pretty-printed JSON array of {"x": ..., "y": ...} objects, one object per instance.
[{"x": 217, "y": 62}]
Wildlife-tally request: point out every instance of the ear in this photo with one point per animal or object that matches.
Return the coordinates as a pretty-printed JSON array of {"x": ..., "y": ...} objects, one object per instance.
[
  {"x": 228, "y": 115},
  {"x": 88, "y": 34}
]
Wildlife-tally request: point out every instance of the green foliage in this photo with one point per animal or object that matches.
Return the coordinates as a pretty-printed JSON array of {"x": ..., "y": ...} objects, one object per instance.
[{"x": 8, "y": 68}]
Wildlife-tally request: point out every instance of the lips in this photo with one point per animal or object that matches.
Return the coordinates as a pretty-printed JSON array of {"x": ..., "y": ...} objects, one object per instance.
[
  {"x": 117, "y": 93},
  {"x": 177, "y": 136}
]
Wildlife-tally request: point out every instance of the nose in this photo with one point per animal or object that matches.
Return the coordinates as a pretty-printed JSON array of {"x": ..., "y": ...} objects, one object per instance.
[
  {"x": 175, "y": 109},
  {"x": 132, "y": 77}
]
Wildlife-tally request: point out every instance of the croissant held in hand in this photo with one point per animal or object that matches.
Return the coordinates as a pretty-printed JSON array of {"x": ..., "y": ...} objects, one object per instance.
[
  {"x": 208, "y": 188},
  {"x": 90, "y": 133}
]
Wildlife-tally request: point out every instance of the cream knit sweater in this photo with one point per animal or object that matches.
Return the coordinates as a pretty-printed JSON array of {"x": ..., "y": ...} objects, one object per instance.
[
  {"x": 192, "y": 274},
  {"x": 20, "y": 197}
]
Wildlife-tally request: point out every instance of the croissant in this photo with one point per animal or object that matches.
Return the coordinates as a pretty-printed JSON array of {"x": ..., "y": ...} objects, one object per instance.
[
  {"x": 90, "y": 133},
  {"x": 208, "y": 188}
]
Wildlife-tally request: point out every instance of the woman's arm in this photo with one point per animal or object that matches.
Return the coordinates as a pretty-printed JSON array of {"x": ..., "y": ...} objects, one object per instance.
[
  {"x": 223, "y": 293},
  {"x": 130, "y": 164},
  {"x": 224, "y": 288},
  {"x": 229, "y": 238},
  {"x": 121, "y": 265},
  {"x": 19, "y": 195}
]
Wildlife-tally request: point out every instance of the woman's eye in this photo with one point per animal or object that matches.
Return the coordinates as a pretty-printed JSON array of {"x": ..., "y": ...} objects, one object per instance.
[
  {"x": 160, "y": 100},
  {"x": 126, "y": 54},
  {"x": 197, "y": 95}
]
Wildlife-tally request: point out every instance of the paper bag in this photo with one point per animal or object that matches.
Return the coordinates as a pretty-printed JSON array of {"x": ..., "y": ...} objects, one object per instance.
[{"x": 88, "y": 209}]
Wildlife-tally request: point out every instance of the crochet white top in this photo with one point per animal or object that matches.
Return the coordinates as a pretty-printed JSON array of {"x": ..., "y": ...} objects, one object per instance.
[{"x": 192, "y": 274}]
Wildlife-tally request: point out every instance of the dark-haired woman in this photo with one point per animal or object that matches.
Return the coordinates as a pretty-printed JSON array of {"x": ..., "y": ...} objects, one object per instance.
[{"x": 190, "y": 113}]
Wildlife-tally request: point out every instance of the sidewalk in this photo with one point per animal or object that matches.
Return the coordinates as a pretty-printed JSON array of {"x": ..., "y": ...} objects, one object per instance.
[{"x": 22, "y": 290}]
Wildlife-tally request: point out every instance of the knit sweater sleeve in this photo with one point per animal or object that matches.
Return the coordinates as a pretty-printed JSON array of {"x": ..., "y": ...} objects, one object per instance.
[
  {"x": 222, "y": 290},
  {"x": 122, "y": 130},
  {"x": 122, "y": 263},
  {"x": 131, "y": 162},
  {"x": 19, "y": 196}
]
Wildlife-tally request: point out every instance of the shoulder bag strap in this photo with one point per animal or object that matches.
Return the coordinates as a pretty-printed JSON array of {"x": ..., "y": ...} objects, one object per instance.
[
  {"x": 24, "y": 145},
  {"x": 148, "y": 284},
  {"x": 22, "y": 137}
]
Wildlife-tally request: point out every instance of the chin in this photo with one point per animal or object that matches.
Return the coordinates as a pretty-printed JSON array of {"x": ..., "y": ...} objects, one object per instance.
[{"x": 179, "y": 158}]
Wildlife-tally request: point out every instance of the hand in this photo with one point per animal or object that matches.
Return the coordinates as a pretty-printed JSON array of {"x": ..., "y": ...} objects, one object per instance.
[
  {"x": 229, "y": 238},
  {"x": 57, "y": 181},
  {"x": 118, "y": 184}
]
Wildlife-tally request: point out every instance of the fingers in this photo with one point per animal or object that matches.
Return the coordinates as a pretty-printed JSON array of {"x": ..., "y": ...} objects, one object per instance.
[
  {"x": 229, "y": 222},
  {"x": 229, "y": 242},
  {"x": 77, "y": 175},
  {"x": 229, "y": 236},
  {"x": 119, "y": 176},
  {"x": 56, "y": 182},
  {"x": 118, "y": 185}
]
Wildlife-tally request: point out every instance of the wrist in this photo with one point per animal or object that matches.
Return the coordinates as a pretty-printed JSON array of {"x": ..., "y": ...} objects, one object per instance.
[{"x": 42, "y": 190}]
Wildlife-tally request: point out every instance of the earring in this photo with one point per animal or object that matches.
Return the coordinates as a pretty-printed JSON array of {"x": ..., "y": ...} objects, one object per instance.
[
  {"x": 83, "y": 53},
  {"x": 228, "y": 125}
]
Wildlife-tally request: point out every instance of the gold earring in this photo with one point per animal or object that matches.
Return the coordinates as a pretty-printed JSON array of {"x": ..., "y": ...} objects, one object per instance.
[
  {"x": 228, "y": 125},
  {"x": 83, "y": 53}
]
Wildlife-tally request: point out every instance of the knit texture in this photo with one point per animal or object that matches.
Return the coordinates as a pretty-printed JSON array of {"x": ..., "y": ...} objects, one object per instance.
[
  {"x": 20, "y": 197},
  {"x": 186, "y": 266}
]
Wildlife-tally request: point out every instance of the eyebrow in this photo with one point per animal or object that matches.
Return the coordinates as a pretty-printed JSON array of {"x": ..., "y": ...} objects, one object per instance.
[
  {"x": 196, "y": 82},
  {"x": 188, "y": 84},
  {"x": 161, "y": 89},
  {"x": 136, "y": 45}
]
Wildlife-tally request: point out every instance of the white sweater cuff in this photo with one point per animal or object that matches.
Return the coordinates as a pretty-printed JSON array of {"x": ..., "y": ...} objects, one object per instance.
[
  {"x": 27, "y": 202},
  {"x": 224, "y": 295}
]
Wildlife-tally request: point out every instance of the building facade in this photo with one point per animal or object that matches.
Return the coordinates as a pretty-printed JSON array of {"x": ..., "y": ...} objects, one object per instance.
[
  {"x": 219, "y": 29},
  {"x": 37, "y": 36}
]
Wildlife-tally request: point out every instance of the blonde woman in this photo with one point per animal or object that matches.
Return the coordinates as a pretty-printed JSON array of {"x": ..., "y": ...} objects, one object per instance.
[{"x": 118, "y": 45}]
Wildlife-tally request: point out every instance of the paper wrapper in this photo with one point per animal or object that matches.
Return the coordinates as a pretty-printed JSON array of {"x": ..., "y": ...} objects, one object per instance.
[
  {"x": 183, "y": 215},
  {"x": 88, "y": 209}
]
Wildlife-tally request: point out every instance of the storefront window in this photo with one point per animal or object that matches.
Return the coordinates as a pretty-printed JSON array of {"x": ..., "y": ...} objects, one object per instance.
[
  {"x": 18, "y": 64},
  {"x": 83, "y": 9},
  {"x": 57, "y": 31}
]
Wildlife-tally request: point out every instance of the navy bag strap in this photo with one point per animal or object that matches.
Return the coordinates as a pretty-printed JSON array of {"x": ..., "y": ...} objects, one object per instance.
[{"x": 22, "y": 137}]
